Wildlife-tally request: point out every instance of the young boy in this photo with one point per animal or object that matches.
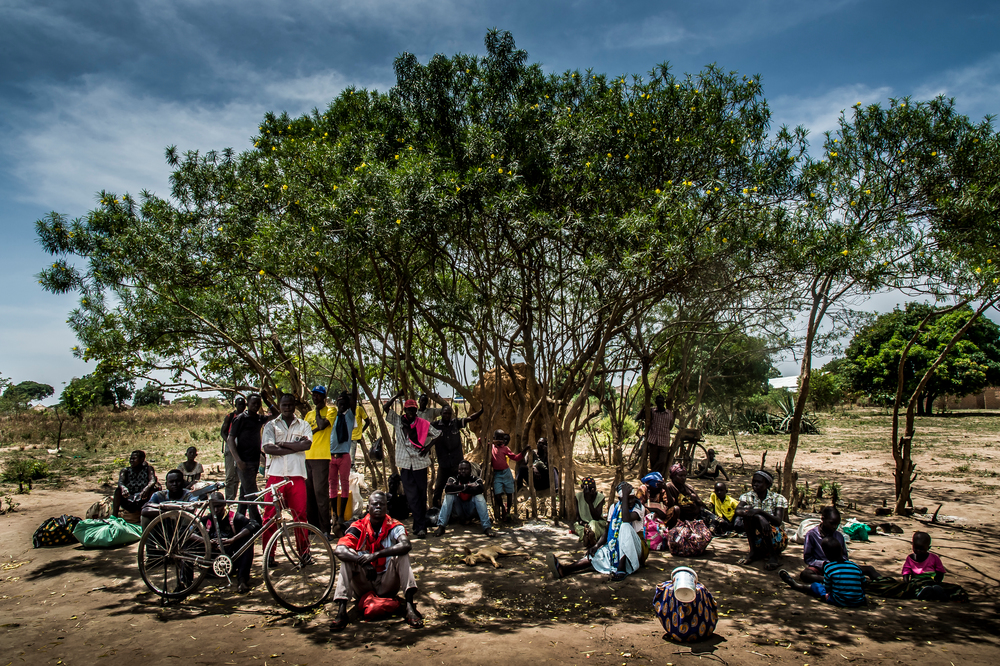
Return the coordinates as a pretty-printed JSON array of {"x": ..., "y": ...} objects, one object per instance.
[
  {"x": 503, "y": 479},
  {"x": 710, "y": 467},
  {"x": 843, "y": 581},
  {"x": 724, "y": 507}
]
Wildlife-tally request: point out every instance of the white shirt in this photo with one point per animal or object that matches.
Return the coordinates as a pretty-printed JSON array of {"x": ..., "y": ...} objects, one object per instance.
[{"x": 275, "y": 431}]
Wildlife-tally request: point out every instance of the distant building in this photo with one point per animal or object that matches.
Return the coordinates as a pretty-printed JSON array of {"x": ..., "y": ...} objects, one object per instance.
[
  {"x": 790, "y": 383},
  {"x": 988, "y": 399}
]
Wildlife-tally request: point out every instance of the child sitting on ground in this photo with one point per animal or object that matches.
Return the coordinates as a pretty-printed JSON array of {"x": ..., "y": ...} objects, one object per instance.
[
  {"x": 843, "y": 581},
  {"x": 922, "y": 563},
  {"x": 710, "y": 467},
  {"x": 724, "y": 507}
]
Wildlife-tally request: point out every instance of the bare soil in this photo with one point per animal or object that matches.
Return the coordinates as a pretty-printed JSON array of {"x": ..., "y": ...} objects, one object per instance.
[{"x": 74, "y": 606}]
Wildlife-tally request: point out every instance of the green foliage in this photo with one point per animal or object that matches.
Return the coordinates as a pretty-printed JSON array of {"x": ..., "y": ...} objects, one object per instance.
[
  {"x": 190, "y": 399},
  {"x": 23, "y": 470},
  {"x": 85, "y": 393},
  {"x": 825, "y": 389},
  {"x": 871, "y": 360},
  {"x": 150, "y": 394}
]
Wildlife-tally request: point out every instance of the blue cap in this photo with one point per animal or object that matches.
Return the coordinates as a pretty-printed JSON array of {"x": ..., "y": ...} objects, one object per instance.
[{"x": 319, "y": 389}]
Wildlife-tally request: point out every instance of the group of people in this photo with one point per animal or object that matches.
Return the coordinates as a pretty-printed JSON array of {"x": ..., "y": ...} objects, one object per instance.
[{"x": 316, "y": 453}]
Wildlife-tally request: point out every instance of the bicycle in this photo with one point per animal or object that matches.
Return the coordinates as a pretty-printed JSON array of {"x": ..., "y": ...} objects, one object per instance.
[{"x": 176, "y": 553}]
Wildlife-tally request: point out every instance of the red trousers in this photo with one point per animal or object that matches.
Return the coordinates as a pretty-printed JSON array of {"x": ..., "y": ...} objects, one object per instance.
[
  {"x": 295, "y": 495},
  {"x": 340, "y": 471}
]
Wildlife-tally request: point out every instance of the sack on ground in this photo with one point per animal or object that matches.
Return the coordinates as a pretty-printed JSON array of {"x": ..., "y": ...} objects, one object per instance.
[
  {"x": 374, "y": 607},
  {"x": 688, "y": 538},
  {"x": 55, "y": 532},
  {"x": 99, "y": 510},
  {"x": 112, "y": 531}
]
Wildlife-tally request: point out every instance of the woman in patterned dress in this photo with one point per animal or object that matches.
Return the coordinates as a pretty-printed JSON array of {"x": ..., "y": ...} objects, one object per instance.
[{"x": 763, "y": 514}]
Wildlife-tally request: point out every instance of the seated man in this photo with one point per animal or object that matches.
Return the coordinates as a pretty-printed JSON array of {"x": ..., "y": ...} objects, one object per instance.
[
  {"x": 175, "y": 492},
  {"x": 621, "y": 550},
  {"x": 136, "y": 484},
  {"x": 464, "y": 498},
  {"x": 710, "y": 467},
  {"x": 374, "y": 556},
  {"x": 812, "y": 551},
  {"x": 235, "y": 530},
  {"x": 843, "y": 581}
]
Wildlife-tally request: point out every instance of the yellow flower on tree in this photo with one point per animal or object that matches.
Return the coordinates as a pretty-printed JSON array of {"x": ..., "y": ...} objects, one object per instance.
[{"x": 845, "y": 253}]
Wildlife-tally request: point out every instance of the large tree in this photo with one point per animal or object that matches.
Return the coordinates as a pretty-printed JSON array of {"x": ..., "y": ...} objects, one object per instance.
[{"x": 872, "y": 359}]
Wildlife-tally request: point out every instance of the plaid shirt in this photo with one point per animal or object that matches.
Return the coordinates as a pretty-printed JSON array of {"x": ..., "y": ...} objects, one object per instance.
[
  {"x": 770, "y": 504},
  {"x": 407, "y": 455},
  {"x": 660, "y": 424}
]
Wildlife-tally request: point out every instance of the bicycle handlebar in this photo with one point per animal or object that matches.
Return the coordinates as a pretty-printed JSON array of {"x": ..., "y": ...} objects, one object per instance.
[{"x": 268, "y": 489}]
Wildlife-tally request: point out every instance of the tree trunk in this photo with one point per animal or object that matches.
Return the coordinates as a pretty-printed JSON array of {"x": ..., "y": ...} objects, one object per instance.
[{"x": 902, "y": 451}]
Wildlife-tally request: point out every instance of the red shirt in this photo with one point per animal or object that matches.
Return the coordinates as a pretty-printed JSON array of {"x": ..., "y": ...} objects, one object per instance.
[{"x": 499, "y": 455}]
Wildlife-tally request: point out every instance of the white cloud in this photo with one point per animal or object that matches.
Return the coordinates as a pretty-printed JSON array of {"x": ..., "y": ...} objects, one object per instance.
[
  {"x": 102, "y": 135},
  {"x": 822, "y": 113},
  {"x": 976, "y": 87}
]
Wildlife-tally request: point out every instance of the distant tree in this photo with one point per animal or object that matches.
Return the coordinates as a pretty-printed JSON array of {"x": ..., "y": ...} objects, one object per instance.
[
  {"x": 826, "y": 389},
  {"x": 871, "y": 361},
  {"x": 85, "y": 393},
  {"x": 150, "y": 394},
  {"x": 20, "y": 396}
]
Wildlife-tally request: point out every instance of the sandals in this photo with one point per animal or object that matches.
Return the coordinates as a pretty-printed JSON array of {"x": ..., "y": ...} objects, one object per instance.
[
  {"x": 553, "y": 565},
  {"x": 617, "y": 576},
  {"x": 771, "y": 565},
  {"x": 785, "y": 577}
]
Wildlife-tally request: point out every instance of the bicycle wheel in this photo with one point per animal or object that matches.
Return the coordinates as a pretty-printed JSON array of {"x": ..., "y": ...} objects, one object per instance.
[
  {"x": 171, "y": 557},
  {"x": 299, "y": 578},
  {"x": 695, "y": 453}
]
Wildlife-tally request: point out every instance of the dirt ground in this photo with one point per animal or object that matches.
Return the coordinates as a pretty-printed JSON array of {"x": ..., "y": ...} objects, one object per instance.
[{"x": 74, "y": 606}]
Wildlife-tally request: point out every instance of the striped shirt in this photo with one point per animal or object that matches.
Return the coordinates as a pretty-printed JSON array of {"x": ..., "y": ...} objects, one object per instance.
[{"x": 844, "y": 583}]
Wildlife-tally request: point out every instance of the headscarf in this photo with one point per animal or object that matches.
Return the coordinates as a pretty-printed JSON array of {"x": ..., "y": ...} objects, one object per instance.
[
  {"x": 588, "y": 483},
  {"x": 766, "y": 476},
  {"x": 654, "y": 479},
  {"x": 676, "y": 468}
]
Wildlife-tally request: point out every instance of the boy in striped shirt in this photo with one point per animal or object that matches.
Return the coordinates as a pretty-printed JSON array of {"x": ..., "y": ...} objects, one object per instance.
[{"x": 843, "y": 581}]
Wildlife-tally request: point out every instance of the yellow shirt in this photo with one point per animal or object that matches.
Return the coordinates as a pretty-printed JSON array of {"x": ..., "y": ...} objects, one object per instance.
[
  {"x": 726, "y": 508},
  {"x": 320, "y": 450},
  {"x": 359, "y": 417}
]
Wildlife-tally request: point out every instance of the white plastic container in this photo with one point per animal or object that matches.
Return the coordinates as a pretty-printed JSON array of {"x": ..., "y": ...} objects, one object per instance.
[{"x": 685, "y": 580}]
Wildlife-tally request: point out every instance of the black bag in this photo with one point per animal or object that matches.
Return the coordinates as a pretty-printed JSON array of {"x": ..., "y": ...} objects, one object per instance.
[
  {"x": 377, "y": 453},
  {"x": 55, "y": 532}
]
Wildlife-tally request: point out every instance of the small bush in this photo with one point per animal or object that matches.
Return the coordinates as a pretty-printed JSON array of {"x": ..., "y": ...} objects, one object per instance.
[{"x": 24, "y": 470}]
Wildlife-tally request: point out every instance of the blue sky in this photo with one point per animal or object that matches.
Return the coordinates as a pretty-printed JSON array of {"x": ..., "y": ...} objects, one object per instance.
[{"x": 92, "y": 92}]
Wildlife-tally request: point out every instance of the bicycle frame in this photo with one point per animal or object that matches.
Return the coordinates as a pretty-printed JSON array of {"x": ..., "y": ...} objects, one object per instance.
[{"x": 199, "y": 507}]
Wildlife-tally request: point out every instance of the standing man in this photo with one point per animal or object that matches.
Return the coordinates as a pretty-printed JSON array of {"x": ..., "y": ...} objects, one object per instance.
[
  {"x": 449, "y": 448},
  {"x": 232, "y": 472},
  {"x": 318, "y": 462},
  {"x": 244, "y": 445},
  {"x": 340, "y": 452},
  {"x": 413, "y": 437},
  {"x": 661, "y": 420},
  {"x": 427, "y": 413},
  {"x": 286, "y": 439}
]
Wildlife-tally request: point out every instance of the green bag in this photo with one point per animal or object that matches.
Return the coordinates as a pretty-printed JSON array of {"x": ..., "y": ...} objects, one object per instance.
[
  {"x": 111, "y": 531},
  {"x": 857, "y": 531}
]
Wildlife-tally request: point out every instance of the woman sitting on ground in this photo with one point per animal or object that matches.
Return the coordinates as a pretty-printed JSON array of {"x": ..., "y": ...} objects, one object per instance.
[
  {"x": 621, "y": 550},
  {"x": 763, "y": 513},
  {"x": 657, "y": 523},
  {"x": 590, "y": 511},
  {"x": 689, "y": 535}
]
